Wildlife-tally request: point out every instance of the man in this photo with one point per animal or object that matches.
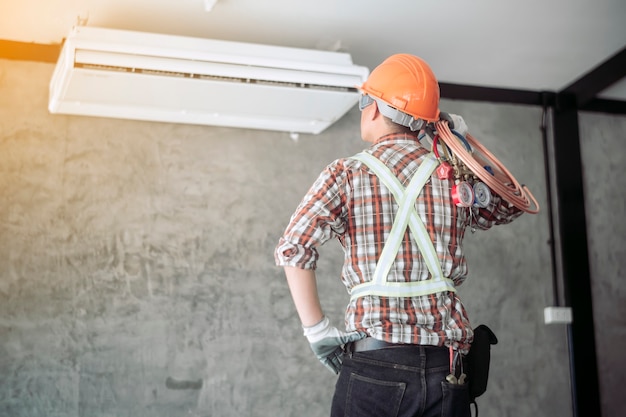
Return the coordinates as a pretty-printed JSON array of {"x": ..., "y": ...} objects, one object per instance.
[{"x": 402, "y": 234}]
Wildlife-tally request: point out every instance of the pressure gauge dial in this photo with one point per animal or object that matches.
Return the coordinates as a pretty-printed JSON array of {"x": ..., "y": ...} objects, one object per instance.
[
  {"x": 463, "y": 194},
  {"x": 482, "y": 195}
]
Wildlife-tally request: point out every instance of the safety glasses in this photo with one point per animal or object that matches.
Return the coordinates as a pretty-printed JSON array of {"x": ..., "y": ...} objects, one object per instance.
[{"x": 365, "y": 101}]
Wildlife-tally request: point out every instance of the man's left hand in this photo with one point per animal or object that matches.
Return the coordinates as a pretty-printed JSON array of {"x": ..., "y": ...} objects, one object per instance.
[{"x": 327, "y": 341}]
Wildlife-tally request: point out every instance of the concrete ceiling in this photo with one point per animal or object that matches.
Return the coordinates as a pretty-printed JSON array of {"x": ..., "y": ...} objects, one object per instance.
[{"x": 537, "y": 45}]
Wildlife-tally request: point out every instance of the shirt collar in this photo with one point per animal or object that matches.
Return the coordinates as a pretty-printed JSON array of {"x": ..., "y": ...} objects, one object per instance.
[{"x": 397, "y": 138}]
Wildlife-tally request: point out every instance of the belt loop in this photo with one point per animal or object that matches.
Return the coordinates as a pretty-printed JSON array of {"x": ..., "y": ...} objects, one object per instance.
[{"x": 349, "y": 349}]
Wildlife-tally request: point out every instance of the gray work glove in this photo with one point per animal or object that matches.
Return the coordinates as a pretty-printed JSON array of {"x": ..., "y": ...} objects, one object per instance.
[
  {"x": 327, "y": 342},
  {"x": 458, "y": 124}
]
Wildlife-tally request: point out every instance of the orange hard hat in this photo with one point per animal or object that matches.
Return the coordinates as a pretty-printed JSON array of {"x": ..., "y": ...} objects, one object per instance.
[{"x": 407, "y": 84}]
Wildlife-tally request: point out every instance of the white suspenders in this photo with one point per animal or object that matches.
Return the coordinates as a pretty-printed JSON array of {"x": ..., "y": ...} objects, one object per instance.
[{"x": 406, "y": 215}]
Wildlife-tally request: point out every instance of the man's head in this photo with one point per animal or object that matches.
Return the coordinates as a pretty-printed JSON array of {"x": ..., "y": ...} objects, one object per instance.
[{"x": 404, "y": 90}]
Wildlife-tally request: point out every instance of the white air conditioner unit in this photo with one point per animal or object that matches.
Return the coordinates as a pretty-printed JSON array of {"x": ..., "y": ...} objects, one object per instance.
[{"x": 156, "y": 77}]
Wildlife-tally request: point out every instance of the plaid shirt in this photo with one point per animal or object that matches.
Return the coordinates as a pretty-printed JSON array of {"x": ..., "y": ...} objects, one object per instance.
[{"x": 348, "y": 202}]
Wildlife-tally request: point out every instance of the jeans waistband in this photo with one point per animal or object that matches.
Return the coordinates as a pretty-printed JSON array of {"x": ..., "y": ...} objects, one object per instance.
[{"x": 412, "y": 355}]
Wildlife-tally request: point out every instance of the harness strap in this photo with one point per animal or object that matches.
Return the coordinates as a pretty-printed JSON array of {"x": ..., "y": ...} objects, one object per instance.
[{"x": 407, "y": 215}]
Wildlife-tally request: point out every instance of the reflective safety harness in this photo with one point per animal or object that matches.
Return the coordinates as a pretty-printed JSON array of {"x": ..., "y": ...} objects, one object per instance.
[{"x": 406, "y": 215}]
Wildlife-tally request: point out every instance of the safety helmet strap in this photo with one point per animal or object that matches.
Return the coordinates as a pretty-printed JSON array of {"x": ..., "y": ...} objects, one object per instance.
[{"x": 399, "y": 117}]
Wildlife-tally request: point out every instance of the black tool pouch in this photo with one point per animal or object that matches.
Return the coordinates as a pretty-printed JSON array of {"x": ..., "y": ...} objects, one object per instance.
[{"x": 477, "y": 361}]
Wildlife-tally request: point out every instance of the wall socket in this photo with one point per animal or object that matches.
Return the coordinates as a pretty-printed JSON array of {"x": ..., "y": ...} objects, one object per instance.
[{"x": 556, "y": 315}]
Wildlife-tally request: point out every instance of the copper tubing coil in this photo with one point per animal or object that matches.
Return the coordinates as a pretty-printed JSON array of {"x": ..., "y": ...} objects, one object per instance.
[{"x": 500, "y": 180}]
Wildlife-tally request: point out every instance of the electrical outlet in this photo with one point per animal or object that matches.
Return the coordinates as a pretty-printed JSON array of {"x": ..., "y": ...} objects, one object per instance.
[{"x": 555, "y": 315}]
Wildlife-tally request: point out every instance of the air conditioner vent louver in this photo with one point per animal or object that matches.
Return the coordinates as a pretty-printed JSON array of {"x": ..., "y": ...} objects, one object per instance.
[
  {"x": 162, "y": 73},
  {"x": 134, "y": 75}
]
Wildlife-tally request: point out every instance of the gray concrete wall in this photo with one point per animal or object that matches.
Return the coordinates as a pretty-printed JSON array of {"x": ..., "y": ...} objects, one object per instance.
[
  {"x": 603, "y": 150},
  {"x": 137, "y": 275}
]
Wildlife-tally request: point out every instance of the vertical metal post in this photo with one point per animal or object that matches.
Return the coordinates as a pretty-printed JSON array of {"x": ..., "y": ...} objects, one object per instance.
[{"x": 574, "y": 256}]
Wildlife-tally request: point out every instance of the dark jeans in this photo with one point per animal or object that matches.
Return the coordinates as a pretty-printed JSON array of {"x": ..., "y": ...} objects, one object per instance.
[{"x": 398, "y": 382}]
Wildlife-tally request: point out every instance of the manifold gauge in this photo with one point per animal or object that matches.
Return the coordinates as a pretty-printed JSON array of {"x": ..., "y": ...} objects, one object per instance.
[
  {"x": 482, "y": 195},
  {"x": 463, "y": 194}
]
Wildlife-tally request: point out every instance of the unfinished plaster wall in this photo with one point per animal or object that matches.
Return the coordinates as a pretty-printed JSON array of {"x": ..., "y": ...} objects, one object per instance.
[
  {"x": 137, "y": 275},
  {"x": 604, "y": 158}
]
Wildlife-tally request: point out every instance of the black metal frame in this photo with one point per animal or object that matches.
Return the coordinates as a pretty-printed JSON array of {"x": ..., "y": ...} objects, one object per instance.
[
  {"x": 574, "y": 256},
  {"x": 585, "y": 90}
]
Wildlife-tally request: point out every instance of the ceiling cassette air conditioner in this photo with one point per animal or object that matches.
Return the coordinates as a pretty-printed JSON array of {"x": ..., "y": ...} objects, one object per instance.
[{"x": 177, "y": 79}]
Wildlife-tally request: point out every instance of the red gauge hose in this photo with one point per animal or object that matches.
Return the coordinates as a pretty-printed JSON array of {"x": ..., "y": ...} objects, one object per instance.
[{"x": 497, "y": 177}]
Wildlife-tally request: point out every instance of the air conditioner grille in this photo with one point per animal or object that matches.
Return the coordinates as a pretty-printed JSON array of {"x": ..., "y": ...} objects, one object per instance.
[
  {"x": 176, "y": 79},
  {"x": 211, "y": 77}
]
